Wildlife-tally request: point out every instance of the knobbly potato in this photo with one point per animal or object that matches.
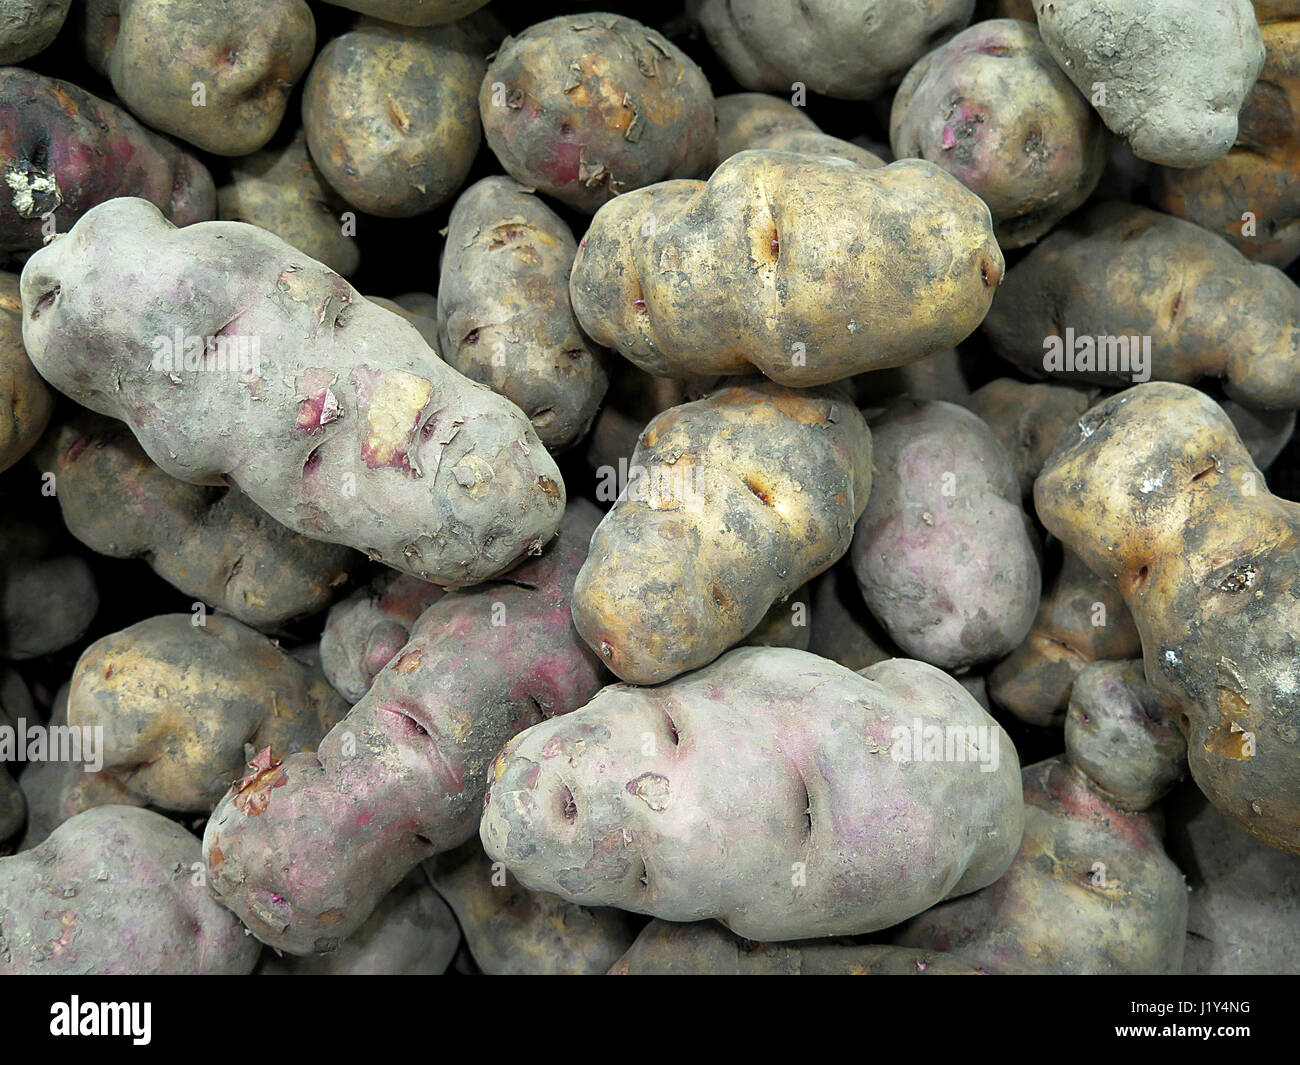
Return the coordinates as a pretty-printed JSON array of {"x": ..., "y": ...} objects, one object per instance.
[
  {"x": 620, "y": 804},
  {"x": 584, "y": 107},
  {"x": 753, "y": 471},
  {"x": 759, "y": 267},
  {"x": 1154, "y": 491},
  {"x": 217, "y": 76},
  {"x": 351, "y": 429},
  {"x": 390, "y": 114},
  {"x": 944, "y": 555},
  {"x": 25, "y": 402},
  {"x": 993, "y": 109},
  {"x": 504, "y": 317},
  {"x": 1174, "y": 303}
]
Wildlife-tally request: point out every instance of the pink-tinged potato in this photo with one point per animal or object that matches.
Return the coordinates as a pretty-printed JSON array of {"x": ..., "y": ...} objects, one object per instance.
[
  {"x": 584, "y": 107},
  {"x": 62, "y": 151},
  {"x": 773, "y": 790},
  {"x": 116, "y": 891},
  {"x": 305, "y": 846},
  {"x": 351, "y": 429}
]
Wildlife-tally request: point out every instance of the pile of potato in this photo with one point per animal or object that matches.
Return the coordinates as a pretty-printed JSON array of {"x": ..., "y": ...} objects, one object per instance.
[{"x": 724, "y": 487}]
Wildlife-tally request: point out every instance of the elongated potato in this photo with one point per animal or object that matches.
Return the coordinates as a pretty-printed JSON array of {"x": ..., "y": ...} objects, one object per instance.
[
  {"x": 759, "y": 267},
  {"x": 584, "y": 107},
  {"x": 504, "y": 317},
  {"x": 351, "y": 429},
  {"x": 1154, "y": 491},
  {"x": 753, "y": 471},
  {"x": 621, "y": 803}
]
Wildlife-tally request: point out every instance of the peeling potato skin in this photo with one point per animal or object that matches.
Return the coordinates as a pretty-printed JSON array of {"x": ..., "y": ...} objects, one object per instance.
[
  {"x": 1034, "y": 682},
  {"x": 1178, "y": 105},
  {"x": 1258, "y": 173},
  {"x": 430, "y": 473},
  {"x": 283, "y": 192},
  {"x": 411, "y": 933},
  {"x": 1152, "y": 493},
  {"x": 512, "y": 931},
  {"x": 248, "y": 56},
  {"x": 29, "y": 27},
  {"x": 832, "y": 46},
  {"x": 587, "y": 807},
  {"x": 758, "y": 268},
  {"x": 585, "y": 107},
  {"x": 179, "y": 702},
  {"x": 754, "y": 471},
  {"x": 412, "y": 12},
  {"x": 402, "y": 777},
  {"x": 705, "y": 948},
  {"x": 1210, "y": 311},
  {"x": 364, "y": 631},
  {"x": 134, "y": 908},
  {"x": 1049, "y": 914},
  {"x": 993, "y": 109},
  {"x": 25, "y": 403},
  {"x": 944, "y": 555},
  {"x": 504, "y": 317},
  {"x": 391, "y": 117},
  {"x": 212, "y": 544},
  {"x": 72, "y": 151}
]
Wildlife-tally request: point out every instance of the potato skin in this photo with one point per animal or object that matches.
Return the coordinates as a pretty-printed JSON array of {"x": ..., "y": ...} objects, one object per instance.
[
  {"x": 247, "y": 57},
  {"x": 705, "y": 948},
  {"x": 993, "y": 109},
  {"x": 211, "y": 543},
  {"x": 25, "y": 402},
  {"x": 584, "y": 107},
  {"x": 835, "y": 47},
  {"x": 753, "y": 471},
  {"x": 113, "y": 892},
  {"x": 352, "y": 430},
  {"x": 390, "y": 116},
  {"x": 29, "y": 26},
  {"x": 504, "y": 317},
  {"x": 512, "y": 931},
  {"x": 64, "y": 151},
  {"x": 944, "y": 555},
  {"x": 1175, "y": 86},
  {"x": 1155, "y": 492},
  {"x": 304, "y": 853},
  {"x": 1208, "y": 310},
  {"x": 757, "y": 268},
  {"x": 412, "y": 12},
  {"x": 615, "y": 805}
]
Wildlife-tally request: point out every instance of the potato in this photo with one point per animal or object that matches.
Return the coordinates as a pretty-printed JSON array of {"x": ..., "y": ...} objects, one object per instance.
[
  {"x": 304, "y": 848},
  {"x": 757, "y": 268},
  {"x": 390, "y": 118},
  {"x": 62, "y": 151},
  {"x": 177, "y": 705},
  {"x": 352, "y": 430},
  {"x": 411, "y": 933},
  {"x": 504, "y": 317},
  {"x": 225, "y": 82},
  {"x": 211, "y": 543},
  {"x": 1169, "y": 78},
  {"x": 584, "y": 107},
  {"x": 25, "y": 402},
  {"x": 705, "y": 948},
  {"x": 365, "y": 630},
  {"x": 116, "y": 891},
  {"x": 842, "y": 628},
  {"x": 1174, "y": 303},
  {"x": 753, "y": 471},
  {"x": 512, "y": 931},
  {"x": 1250, "y": 196},
  {"x": 944, "y": 555},
  {"x": 1080, "y": 620},
  {"x": 282, "y": 191},
  {"x": 755, "y": 120},
  {"x": 1154, "y": 491},
  {"x": 993, "y": 109},
  {"x": 638, "y": 799},
  {"x": 29, "y": 26},
  {"x": 835, "y": 47},
  {"x": 412, "y": 12},
  {"x": 47, "y": 599}
]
